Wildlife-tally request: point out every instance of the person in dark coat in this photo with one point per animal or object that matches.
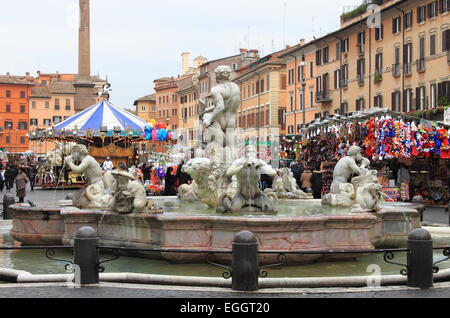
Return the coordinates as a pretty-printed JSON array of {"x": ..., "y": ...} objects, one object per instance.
[
  {"x": 31, "y": 173},
  {"x": 170, "y": 180},
  {"x": 2, "y": 179},
  {"x": 317, "y": 183},
  {"x": 183, "y": 177},
  {"x": 146, "y": 171},
  {"x": 10, "y": 175},
  {"x": 297, "y": 170}
]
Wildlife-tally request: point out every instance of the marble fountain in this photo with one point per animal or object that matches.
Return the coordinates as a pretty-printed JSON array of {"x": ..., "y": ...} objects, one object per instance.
[{"x": 223, "y": 200}]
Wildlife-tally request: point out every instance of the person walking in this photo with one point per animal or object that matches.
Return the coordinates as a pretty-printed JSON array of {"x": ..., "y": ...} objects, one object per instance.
[
  {"x": 2, "y": 179},
  {"x": 31, "y": 173},
  {"x": 10, "y": 175},
  {"x": 21, "y": 184},
  {"x": 305, "y": 180}
]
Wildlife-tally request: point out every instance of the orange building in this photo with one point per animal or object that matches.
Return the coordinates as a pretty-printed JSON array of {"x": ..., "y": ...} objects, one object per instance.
[{"x": 14, "y": 112}]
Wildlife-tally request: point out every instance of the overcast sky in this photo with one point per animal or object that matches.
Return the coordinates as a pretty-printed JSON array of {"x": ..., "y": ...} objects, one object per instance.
[{"x": 134, "y": 42}]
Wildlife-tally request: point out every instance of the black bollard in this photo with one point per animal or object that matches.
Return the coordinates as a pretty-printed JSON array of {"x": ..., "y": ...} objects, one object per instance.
[
  {"x": 245, "y": 264},
  {"x": 420, "y": 259},
  {"x": 86, "y": 256},
  {"x": 8, "y": 200}
]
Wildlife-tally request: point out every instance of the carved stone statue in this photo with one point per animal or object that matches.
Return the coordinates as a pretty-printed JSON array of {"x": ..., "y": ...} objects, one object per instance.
[
  {"x": 55, "y": 158},
  {"x": 248, "y": 172},
  {"x": 93, "y": 195},
  {"x": 188, "y": 192},
  {"x": 220, "y": 118},
  {"x": 221, "y": 181},
  {"x": 200, "y": 169},
  {"x": 348, "y": 166},
  {"x": 117, "y": 190},
  {"x": 361, "y": 192},
  {"x": 285, "y": 186}
]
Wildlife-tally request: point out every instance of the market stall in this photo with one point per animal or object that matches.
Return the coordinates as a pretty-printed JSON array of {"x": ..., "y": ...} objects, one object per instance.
[{"x": 411, "y": 154}]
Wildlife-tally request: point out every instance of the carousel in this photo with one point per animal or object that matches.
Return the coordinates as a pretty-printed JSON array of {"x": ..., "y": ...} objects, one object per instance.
[{"x": 106, "y": 130}]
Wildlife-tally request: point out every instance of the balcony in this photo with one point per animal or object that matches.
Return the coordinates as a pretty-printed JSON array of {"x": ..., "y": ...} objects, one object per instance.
[
  {"x": 323, "y": 97},
  {"x": 420, "y": 65},
  {"x": 407, "y": 69},
  {"x": 396, "y": 70}
]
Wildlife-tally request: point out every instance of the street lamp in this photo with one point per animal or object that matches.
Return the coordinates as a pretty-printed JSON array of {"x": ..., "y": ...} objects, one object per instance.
[
  {"x": 304, "y": 100},
  {"x": 303, "y": 83}
]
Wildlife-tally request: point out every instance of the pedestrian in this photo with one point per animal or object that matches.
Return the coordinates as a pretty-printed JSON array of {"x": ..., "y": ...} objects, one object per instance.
[
  {"x": 10, "y": 175},
  {"x": 31, "y": 173},
  {"x": 108, "y": 165},
  {"x": 2, "y": 179},
  {"x": 297, "y": 170},
  {"x": 305, "y": 180},
  {"x": 21, "y": 184},
  {"x": 170, "y": 180},
  {"x": 317, "y": 183},
  {"x": 183, "y": 177}
]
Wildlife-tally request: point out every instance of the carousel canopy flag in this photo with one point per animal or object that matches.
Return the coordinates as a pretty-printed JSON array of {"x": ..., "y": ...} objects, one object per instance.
[{"x": 102, "y": 114}]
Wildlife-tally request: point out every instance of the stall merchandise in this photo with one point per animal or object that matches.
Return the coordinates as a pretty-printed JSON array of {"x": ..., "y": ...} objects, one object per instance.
[{"x": 386, "y": 139}]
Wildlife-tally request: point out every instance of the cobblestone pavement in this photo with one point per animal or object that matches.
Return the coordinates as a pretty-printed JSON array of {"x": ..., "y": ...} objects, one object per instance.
[
  {"x": 433, "y": 215},
  {"x": 218, "y": 295}
]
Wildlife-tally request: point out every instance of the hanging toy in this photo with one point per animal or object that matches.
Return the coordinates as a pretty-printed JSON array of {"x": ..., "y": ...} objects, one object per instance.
[{"x": 148, "y": 132}]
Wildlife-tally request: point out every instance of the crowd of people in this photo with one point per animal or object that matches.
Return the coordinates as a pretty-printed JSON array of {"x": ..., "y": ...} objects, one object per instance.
[{"x": 19, "y": 176}]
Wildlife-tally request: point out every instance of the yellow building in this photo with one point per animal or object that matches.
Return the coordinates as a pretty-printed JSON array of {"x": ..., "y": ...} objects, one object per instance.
[
  {"x": 189, "y": 123},
  {"x": 263, "y": 100},
  {"x": 146, "y": 107},
  {"x": 401, "y": 63}
]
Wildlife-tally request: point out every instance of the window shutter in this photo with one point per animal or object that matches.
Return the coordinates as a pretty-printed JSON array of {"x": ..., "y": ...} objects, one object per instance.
[
  {"x": 447, "y": 37},
  {"x": 404, "y": 108},
  {"x": 441, "y": 6},
  {"x": 393, "y": 105},
  {"x": 440, "y": 92},
  {"x": 335, "y": 79},
  {"x": 418, "y": 98}
]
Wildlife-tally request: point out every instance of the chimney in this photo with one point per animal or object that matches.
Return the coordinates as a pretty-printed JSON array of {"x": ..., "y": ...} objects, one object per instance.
[
  {"x": 302, "y": 42},
  {"x": 27, "y": 74},
  {"x": 185, "y": 62}
]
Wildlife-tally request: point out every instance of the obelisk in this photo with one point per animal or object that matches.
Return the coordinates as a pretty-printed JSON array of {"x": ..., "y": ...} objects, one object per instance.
[{"x": 84, "y": 87}]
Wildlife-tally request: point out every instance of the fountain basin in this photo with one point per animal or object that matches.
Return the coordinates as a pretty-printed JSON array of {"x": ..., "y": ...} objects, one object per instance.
[{"x": 211, "y": 232}]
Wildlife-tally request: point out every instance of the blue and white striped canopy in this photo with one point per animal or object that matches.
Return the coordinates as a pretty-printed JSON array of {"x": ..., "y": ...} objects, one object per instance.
[{"x": 102, "y": 114}]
